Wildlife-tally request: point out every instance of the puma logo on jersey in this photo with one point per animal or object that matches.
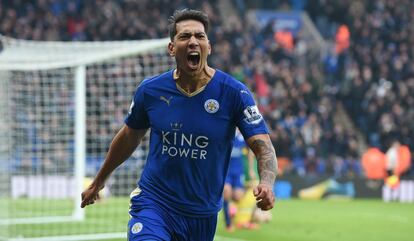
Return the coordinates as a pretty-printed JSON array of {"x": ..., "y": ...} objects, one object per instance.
[{"x": 166, "y": 100}]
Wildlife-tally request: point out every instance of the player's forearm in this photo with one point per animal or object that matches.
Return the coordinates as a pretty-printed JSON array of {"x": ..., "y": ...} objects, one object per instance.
[
  {"x": 122, "y": 146},
  {"x": 266, "y": 159}
]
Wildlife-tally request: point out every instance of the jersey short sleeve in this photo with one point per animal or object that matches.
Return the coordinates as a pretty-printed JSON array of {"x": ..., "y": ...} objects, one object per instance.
[
  {"x": 248, "y": 118},
  {"x": 137, "y": 117}
]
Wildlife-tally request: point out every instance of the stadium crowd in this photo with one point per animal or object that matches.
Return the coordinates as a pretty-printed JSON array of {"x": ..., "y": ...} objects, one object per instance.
[
  {"x": 373, "y": 77},
  {"x": 376, "y": 74}
]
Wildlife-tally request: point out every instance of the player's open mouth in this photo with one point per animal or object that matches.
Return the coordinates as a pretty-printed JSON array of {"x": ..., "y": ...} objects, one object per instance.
[{"x": 193, "y": 59}]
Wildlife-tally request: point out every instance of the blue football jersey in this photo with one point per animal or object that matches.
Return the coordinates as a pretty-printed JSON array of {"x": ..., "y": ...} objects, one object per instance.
[{"x": 191, "y": 139}]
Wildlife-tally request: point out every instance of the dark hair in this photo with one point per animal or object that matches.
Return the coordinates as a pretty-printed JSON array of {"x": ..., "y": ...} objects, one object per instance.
[{"x": 186, "y": 14}]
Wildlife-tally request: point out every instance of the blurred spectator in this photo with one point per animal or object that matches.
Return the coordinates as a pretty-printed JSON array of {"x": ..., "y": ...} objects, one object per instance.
[
  {"x": 285, "y": 38},
  {"x": 342, "y": 39},
  {"x": 374, "y": 163},
  {"x": 378, "y": 70},
  {"x": 392, "y": 157},
  {"x": 370, "y": 68}
]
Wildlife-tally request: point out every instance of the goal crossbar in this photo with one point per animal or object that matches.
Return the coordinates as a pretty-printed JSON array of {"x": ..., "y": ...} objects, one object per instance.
[{"x": 35, "y": 55}]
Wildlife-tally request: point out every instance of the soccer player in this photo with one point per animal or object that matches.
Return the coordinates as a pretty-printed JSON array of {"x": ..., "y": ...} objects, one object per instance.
[
  {"x": 234, "y": 183},
  {"x": 192, "y": 112}
]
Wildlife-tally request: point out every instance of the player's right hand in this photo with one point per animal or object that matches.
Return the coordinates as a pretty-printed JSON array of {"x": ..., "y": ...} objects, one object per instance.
[{"x": 90, "y": 195}]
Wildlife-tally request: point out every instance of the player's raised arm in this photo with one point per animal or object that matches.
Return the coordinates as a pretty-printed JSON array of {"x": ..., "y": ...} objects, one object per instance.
[
  {"x": 267, "y": 168},
  {"x": 122, "y": 146}
]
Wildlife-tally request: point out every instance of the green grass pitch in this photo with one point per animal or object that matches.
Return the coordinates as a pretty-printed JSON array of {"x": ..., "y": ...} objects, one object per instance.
[{"x": 293, "y": 220}]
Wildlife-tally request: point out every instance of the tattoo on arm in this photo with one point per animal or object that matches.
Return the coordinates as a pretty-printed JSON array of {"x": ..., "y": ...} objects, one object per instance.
[{"x": 267, "y": 161}]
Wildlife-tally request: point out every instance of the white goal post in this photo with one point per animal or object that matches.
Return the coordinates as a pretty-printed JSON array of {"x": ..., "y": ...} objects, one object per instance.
[{"x": 60, "y": 105}]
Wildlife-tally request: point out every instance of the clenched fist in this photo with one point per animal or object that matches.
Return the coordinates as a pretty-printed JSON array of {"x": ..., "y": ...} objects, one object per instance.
[
  {"x": 90, "y": 195},
  {"x": 264, "y": 196}
]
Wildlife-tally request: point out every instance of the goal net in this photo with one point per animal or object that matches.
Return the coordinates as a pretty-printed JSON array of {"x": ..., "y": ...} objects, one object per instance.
[{"x": 61, "y": 104}]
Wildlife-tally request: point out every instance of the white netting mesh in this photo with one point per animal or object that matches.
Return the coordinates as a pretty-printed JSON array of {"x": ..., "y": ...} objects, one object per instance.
[
  {"x": 4, "y": 154},
  {"x": 38, "y": 132}
]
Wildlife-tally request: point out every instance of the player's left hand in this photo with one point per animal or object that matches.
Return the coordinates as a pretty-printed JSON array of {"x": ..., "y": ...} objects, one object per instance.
[{"x": 264, "y": 196}]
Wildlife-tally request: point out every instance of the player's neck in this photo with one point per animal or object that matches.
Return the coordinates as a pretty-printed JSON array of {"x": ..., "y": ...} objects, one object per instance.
[{"x": 193, "y": 83}]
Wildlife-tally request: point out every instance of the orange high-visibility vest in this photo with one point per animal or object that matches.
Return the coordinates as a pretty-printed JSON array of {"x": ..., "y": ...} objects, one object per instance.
[
  {"x": 404, "y": 160},
  {"x": 342, "y": 39},
  {"x": 373, "y": 163},
  {"x": 285, "y": 39}
]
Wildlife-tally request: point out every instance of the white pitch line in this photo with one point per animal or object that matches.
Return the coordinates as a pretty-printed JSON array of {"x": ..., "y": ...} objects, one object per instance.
[
  {"x": 220, "y": 238},
  {"x": 99, "y": 237},
  {"x": 84, "y": 237}
]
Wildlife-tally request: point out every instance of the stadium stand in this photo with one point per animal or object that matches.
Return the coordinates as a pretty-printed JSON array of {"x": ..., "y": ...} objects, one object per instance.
[
  {"x": 376, "y": 74},
  {"x": 297, "y": 98}
]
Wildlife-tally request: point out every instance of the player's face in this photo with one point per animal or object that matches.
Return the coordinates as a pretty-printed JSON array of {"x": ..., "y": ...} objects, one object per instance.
[{"x": 190, "y": 47}]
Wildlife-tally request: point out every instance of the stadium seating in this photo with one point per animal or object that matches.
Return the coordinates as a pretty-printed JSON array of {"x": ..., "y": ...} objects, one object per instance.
[{"x": 297, "y": 101}]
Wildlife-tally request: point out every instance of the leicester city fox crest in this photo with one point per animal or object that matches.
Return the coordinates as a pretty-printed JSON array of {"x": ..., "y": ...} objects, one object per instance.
[
  {"x": 211, "y": 106},
  {"x": 136, "y": 228}
]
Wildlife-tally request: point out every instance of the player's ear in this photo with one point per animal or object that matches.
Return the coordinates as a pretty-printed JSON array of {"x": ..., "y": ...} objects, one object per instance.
[
  {"x": 171, "y": 49},
  {"x": 209, "y": 48}
]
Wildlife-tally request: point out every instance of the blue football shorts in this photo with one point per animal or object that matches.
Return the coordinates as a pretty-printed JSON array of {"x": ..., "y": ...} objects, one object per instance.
[
  {"x": 235, "y": 180},
  {"x": 150, "y": 221}
]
